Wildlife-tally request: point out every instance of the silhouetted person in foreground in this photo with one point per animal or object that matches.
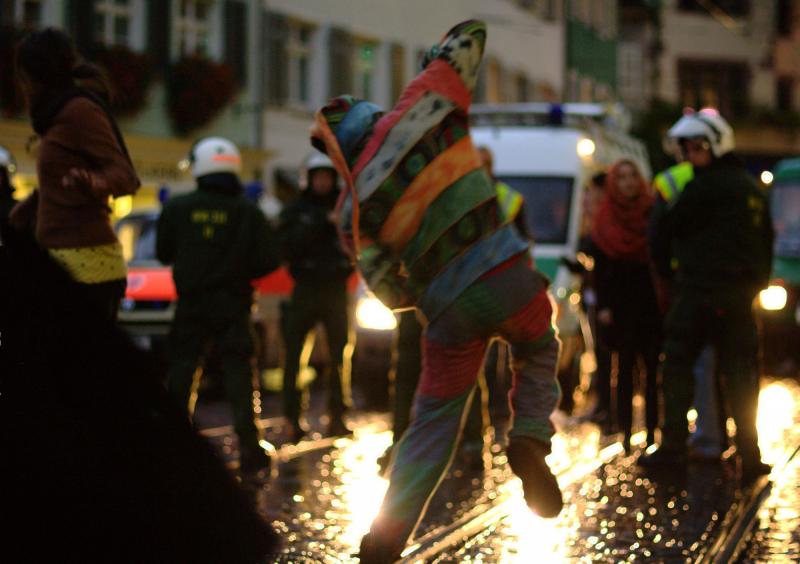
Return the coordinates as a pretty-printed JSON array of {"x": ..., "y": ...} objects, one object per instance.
[{"x": 98, "y": 463}]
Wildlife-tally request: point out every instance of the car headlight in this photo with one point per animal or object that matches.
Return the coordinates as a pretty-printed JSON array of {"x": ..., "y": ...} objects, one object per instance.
[
  {"x": 372, "y": 314},
  {"x": 773, "y": 298}
]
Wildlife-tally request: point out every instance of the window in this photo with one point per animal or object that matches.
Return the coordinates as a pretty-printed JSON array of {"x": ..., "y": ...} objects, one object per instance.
[
  {"x": 363, "y": 68},
  {"x": 730, "y": 7},
  {"x": 785, "y": 205},
  {"x": 398, "y": 70},
  {"x": 522, "y": 90},
  {"x": 630, "y": 72},
  {"x": 193, "y": 26},
  {"x": 785, "y": 93},
  {"x": 548, "y": 200},
  {"x": 784, "y": 17},
  {"x": 720, "y": 84},
  {"x": 112, "y": 21},
  {"x": 29, "y": 13},
  {"x": 298, "y": 56},
  {"x": 494, "y": 81}
]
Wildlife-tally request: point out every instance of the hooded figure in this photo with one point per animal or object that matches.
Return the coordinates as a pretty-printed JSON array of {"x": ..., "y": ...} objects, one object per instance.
[{"x": 420, "y": 216}]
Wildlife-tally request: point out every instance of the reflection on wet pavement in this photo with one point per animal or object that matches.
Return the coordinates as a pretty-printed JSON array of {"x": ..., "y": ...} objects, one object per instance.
[{"x": 324, "y": 499}]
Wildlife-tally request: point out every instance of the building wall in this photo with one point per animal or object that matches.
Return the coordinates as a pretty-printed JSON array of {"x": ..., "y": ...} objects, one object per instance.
[
  {"x": 699, "y": 36},
  {"x": 591, "y": 50},
  {"x": 240, "y": 121},
  {"x": 519, "y": 41}
]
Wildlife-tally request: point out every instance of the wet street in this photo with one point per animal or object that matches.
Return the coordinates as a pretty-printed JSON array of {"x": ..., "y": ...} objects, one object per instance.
[{"x": 323, "y": 493}]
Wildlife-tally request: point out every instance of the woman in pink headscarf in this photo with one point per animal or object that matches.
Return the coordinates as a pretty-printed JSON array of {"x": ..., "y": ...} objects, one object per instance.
[{"x": 628, "y": 320}]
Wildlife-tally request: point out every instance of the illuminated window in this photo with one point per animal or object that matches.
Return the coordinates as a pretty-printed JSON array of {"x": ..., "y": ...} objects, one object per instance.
[
  {"x": 298, "y": 57},
  {"x": 113, "y": 21},
  {"x": 193, "y": 26},
  {"x": 29, "y": 13},
  {"x": 363, "y": 68}
]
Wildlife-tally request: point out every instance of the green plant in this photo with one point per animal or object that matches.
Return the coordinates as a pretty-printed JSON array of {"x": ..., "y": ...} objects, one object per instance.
[
  {"x": 130, "y": 74},
  {"x": 197, "y": 90}
]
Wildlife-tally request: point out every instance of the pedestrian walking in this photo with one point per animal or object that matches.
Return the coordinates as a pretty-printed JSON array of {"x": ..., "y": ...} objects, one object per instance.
[
  {"x": 721, "y": 234},
  {"x": 81, "y": 161},
  {"x": 320, "y": 269},
  {"x": 217, "y": 243},
  {"x": 422, "y": 217},
  {"x": 628, "y": 320}
]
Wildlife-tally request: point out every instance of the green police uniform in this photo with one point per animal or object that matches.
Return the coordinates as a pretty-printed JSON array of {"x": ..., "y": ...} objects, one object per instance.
[
  {"x": 217, "y": 242},
  {"x": 320, "y": 269},
  {"x": 720, "y": 232}
]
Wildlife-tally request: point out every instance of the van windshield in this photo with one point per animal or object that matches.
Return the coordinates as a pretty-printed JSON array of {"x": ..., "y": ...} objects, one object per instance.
[
  {"x": 786, "y": 219},
  {"x": 548, "y": 200},
  {"x": 137, "y": 235}
]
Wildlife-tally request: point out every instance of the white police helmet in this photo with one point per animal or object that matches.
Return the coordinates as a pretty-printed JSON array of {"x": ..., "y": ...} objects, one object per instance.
[
  {"x": 314, "y": 161},
  {"x": 7, "y": 161},
  {"x": 212, "y": 155},
  {"x": 707, "y": 124}
]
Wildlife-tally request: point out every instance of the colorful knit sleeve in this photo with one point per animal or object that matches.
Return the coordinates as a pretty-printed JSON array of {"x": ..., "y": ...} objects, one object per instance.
[{"x": 462, "y": 47}]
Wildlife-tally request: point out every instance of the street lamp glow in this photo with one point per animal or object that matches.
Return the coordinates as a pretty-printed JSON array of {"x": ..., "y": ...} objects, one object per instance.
[
  {"x": 585, "y": 148},
  {"x": 773, "y": 298},
  {"x": 372, "y": 314},
  {"x": 767, "y": 177}
]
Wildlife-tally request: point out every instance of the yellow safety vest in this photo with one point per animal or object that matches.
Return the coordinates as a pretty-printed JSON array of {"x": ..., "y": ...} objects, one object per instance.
[
  {"x": 509, "y": 201},
  {"x": 672, "y": 181}
]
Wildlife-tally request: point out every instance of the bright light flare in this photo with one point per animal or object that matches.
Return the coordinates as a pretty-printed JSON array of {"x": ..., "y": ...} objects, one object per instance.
[
  {"x": 773, "y": 298},
  {"x": 585, "y": 148},
  {"x": 372, "y": 314},
  {"x": 767, "y": 177},
  {"x": 776, "y": 407},
  {"x": 362, "y": 488}
]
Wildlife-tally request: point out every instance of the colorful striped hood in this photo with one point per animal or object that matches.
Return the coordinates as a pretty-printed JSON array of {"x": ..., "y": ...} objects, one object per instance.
[{"x": 421, "y": 214}]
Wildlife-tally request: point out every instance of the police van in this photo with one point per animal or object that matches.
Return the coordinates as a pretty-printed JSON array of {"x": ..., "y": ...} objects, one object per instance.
[{"x": 549, "y": 153}]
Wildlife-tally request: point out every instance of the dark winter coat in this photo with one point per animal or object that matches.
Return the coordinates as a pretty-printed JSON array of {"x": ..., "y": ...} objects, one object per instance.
[
  {"x": 217, "y": 242},
  {"x": 76, "y": 132},
  {"x": 626, "y": 288},
  {"x": 309, "y": 241},
  {"x": 720, "y": 231}
]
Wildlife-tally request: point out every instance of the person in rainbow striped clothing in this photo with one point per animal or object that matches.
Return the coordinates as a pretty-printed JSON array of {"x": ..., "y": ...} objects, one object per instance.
[{"x": 427, "y": 231}]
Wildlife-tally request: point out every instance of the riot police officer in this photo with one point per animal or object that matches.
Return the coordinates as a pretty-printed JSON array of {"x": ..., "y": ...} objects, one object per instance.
[
  {"x": 217, "y": 242},
  {"x": 720, "y": 234},
  {"x": 320, "y": 268}
]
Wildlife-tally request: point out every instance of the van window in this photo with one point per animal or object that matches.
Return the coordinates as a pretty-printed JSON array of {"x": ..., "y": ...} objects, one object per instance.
[
  {"x": 137, "y": 234},
  {"x": 548, "y": 200},
  {"x": 786, "y": 219}
]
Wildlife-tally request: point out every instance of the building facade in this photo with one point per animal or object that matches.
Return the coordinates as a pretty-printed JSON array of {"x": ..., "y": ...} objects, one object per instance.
[
  {"x": 739, "y": 56},
  {"x": 371, "y": 48},
  {"x": 288, "y": 57},
  {"x": 591, "y": 50},
  {"x": 225, "y": 33}
]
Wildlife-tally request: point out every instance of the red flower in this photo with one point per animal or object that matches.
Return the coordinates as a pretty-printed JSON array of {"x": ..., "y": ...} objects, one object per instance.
[{"x": 197, "y": 90}]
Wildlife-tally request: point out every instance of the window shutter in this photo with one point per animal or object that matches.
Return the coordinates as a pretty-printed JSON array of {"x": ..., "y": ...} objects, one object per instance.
[
  {"x": 398, "y": 78},
  {"x": 158, "y": 28},
  {"x": 341, "y": 63},
  {"x": 235, "y": 17},
  {"x": 80, "y": 19},
  {"x": 276, "y": 73}
]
